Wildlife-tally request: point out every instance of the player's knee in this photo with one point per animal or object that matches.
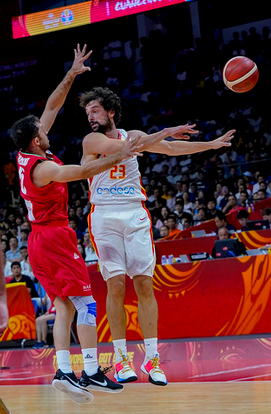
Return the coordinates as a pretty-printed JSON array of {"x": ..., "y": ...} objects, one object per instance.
[
  {"x": 86, "y": 310},
  {"x": 64, "y": 308},
  {"x": 116, "y": 287},
  {"x": 143, "y": 286}
]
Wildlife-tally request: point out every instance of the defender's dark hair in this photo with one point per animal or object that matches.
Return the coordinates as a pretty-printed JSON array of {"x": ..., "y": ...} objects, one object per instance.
[
  {"x": 108, "y": 99},
  {"x": 24, "y": 130}
]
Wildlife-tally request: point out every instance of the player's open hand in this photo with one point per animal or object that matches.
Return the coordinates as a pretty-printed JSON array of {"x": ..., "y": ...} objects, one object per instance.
[
  {"x": 131, "y": 147},
  {"x": 224, "y": 140},
  {"x": 79, "y": 58},
  {"x": 181, "y": 131}
]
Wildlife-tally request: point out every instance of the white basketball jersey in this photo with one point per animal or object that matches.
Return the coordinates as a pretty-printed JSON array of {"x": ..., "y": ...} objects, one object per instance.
[{"x": 119, "y": 185}]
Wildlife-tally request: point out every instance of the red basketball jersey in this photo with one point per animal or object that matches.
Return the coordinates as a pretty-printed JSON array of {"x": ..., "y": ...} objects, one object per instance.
[{"x": 48, "y": 203}]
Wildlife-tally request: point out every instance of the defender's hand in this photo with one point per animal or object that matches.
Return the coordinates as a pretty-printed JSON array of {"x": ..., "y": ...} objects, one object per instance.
[{"x": 79, "y": 59}]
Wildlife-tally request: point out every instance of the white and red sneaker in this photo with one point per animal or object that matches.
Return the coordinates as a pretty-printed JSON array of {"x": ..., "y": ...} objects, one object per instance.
[
  {"x": 124, "y": 371},
  {"x": 154, "y": 370}
]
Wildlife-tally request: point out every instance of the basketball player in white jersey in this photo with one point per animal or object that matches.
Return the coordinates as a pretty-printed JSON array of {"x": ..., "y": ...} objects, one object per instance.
[{"x": 120, "y": 225}]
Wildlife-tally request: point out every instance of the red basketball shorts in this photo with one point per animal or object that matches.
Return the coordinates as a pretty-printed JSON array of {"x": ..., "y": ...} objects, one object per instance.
[{"x": 56, "y": 261}]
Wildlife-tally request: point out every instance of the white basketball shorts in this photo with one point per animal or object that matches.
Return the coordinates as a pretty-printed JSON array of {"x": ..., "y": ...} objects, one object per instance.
[{"x": 123, "y": 240}]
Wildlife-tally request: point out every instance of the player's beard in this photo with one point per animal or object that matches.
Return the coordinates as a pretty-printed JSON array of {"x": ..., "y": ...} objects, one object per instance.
[{"x": 103, "y": 128}]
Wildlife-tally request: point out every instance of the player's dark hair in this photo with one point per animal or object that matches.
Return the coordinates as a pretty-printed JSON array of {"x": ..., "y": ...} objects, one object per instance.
[
  {"x": 24, "y": 130},
  {"x": 108, "y": 99}
]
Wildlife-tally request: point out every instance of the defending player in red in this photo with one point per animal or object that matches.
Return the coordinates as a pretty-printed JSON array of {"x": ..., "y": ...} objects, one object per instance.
[{"x": 52, "y": 244}]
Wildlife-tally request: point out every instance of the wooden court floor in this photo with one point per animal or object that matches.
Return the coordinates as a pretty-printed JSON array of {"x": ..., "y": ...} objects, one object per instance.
[{"x": 204, "y": 398}]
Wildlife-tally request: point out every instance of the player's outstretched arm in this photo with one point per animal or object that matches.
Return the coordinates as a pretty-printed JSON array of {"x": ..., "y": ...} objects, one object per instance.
[
  {"x": 149, "y": 141},
  {"x": 101, "y": 144},
  {"x": 57, "y": 98},
  {"x": 182, "y": 147},
  {"x": 48, "y": 171}
]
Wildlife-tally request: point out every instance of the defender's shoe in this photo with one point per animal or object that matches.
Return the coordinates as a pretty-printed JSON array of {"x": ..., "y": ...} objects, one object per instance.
[
  {"x": 123, "y": 370},
  {"x": 99, "y": 382},
  {"x": 154, "y": 370},
  {"x": 68, "y": 383}
]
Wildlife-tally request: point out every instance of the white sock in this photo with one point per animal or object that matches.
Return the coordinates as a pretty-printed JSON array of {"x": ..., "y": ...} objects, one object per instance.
[
  {"x": 150, "y": 348},
  {"x": 90, "y": 360},
  {"x": 120, "y": 348},
  {"x": 63, "y": 361}
]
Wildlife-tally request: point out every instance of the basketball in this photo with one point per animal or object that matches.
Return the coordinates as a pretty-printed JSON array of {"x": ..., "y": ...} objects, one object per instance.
[{"x": 240, "y": 74}]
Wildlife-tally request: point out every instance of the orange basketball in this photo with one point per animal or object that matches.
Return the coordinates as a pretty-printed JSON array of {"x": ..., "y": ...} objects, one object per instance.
[{"x": 240, "y": 74}]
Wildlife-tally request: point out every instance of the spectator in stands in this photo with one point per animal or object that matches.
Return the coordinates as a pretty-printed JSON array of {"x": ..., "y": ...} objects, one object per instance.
[
  {"x": 42, "y": 325},
  {"x": 186, "y": 223},
  {"x": 201, "y": 216},
  {"x": 149, "y": 194},
  {"x": 242, "y": 217},
  {"x": 243, "y": 200},
  {"x": 175, "y": 175},
  {"x": 91, "y": 256},
  {"x": 19, "y": 277},
  {"x": 232, "y": 205},
  {"x": 4, "y": 245},
  {"x": 81, "y": 222},
  {"x": 164, "y": 231},
  {"x": 188, "y": 206},
  {"x": 218, "y": 193},
  {"x": 224, "y": 234},
  {"x": 201, "y": 181},
  {"x": 261, "y": 194},
  {"x": 172, "y": 198},
  {"x": 172, "y": 223},
  {"x": 220, "y": 176},
  {"x": 211, "y": 209},
  {"x": 229, "y": 156},
  {"x": 26, "y": 225},
  {"x": 202, "y": 197},
  {"x": 242, "y": 185},
  {"x": 158, "y": 202},
  {"x": 260, "y": 177},
  {"x": 155, "y": 231},
  {"x": 73, "y": 225},
  {"x": 179, "y": 190},
  {"x": 13, "y": 254},
  {"x": 81, "y": 249},
  {"x": 220, "y": 221},
  {"x": 71, "y": 213},
  {"x": 24, "y": 264},
  {"x": 23, "y": 238},
  {"x": 263, "y": 186},
  {"x": 164, "y": 213},
  {"x": 193, "y": 192},
  {"x": 266, "y": 214},
  {"x": 224, "y": 198},
  {"x": 231, "y": 181},
  {"x": 268, "y": 190},
  {"x": 28, "y": 271},
  {"x": 6, "y": 266},
  {"x": 180, "y": 213}
]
